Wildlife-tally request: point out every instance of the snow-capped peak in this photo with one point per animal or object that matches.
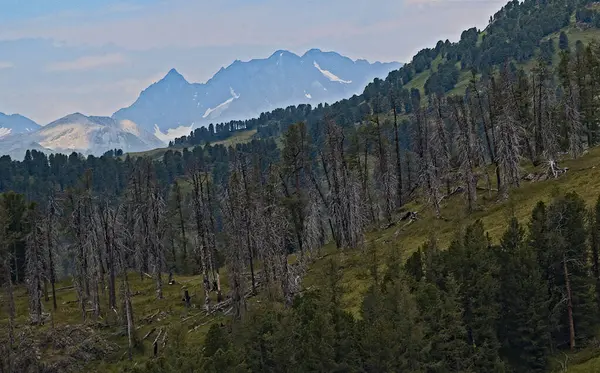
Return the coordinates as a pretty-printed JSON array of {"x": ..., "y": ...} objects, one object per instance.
[{"x": 245, "y": 89}]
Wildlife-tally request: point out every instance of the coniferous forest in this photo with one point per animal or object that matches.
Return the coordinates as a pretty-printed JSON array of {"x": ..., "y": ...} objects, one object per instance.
[{"x": 250, "y": 220}]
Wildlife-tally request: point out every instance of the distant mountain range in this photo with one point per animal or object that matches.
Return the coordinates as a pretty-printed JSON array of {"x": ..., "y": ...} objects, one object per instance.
[
  {"x": 81, "y": 134},
  {"x": 243, "y": 90},
  {"x": 172, "y": 107}
]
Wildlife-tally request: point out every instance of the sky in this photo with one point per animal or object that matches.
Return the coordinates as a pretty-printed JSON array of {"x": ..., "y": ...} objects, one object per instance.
[{"x": 95, "y": 56}]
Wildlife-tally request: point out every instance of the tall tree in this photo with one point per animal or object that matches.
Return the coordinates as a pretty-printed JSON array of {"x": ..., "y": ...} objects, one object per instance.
[
  {"x": 522, "y": 329},
  {"x": 572, "y": 294},
  {"x": 35, "y": 264}
]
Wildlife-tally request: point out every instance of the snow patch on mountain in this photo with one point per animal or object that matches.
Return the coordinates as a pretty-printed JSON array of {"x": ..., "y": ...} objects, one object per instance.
[
  {"x": 172, "y": 133},
  {"x": 4, "y": 132},
  {"x": 216, "y": 111},
  {"x": 331, "y": 76}
]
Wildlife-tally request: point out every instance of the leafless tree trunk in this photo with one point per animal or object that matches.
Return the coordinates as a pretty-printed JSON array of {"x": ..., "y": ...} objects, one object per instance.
[
  {"x": 247, "y": 214},
  {"x": 108, "y": 219},
  {"x": 345, "y": 205},
  {"x": 569, "y": 305},
  {"x": 50, "y": 242},
  {"x": 181, "y": 223},
  {"x": 465, "y": 143},
  {"x": 508, "y": 136},
  {"x": 439, "y": 143},
  {"x": 236, "y": 242},
  {"x": 399, "y": 200},
  {"x": 35, "y": 267},
  {"x": 10, "y": 304},
  {"x": 202, "y": 253},
  {"x": 382, "y": 174}
]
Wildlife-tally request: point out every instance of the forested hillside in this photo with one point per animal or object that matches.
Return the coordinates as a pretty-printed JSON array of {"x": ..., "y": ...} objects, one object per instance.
[{"x": 257, "y": 236}]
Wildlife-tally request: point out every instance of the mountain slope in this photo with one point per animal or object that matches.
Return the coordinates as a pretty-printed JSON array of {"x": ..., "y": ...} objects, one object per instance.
[
  {"x": 15, "y": 124},
  {"x": 79, "y": 133},
  {"x": 246, "y": 89}
]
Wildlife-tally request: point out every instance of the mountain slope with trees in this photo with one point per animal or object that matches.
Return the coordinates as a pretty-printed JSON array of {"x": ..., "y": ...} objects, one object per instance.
[{"x": 306, "y": 246}]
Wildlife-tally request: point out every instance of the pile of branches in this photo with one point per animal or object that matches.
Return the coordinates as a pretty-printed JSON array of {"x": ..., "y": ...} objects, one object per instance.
[{"x": 71, "y": 348}]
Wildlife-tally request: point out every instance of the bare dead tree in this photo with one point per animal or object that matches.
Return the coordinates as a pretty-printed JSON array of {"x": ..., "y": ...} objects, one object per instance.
[
  {"x": 6, "y": 258},
  {"x": 181, "y": 223},
  {"x": 571, "y": 103},
  {"x": 109, "y": 224},
  {"x": 158, "y": 226},
  {"x": 248, "y": 213},
  {"x": 465, "y": 147},
  {"x": 211, "y": 228},
  {"x": 274, "y": 231},
  {"x": 440, "y": 142},
  {"x": 233, "y": 204},
  {"x": 201, "y": 247},
  {"x": 382, "y": 172},
  {"x": 508, "y": 136},
  {"x": 344, "y": 204},
  {"x": 35, "y": 266},
  {"x": 394, "y": 103},
  {"x": 50, "y": 242},
  {"x": 121, "y": 250},
  {"x": 79, "y": 226},
  {"x": 546, "y": 131}
]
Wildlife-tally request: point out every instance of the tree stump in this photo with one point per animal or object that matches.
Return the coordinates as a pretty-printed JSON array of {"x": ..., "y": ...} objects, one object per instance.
[{"x": 187, "y": 299}]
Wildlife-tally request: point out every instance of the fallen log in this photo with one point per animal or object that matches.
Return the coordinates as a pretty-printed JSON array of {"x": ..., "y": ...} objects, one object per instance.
[
  {"x": 155, "y": 344},
  {"x": 148, "y": 334},
  {"x": 148, "y": 319},
  {"x": 66, "y": 288}
]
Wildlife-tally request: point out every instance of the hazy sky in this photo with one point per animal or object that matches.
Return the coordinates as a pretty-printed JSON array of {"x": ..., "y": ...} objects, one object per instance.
[{"x": 95, "y": 56}]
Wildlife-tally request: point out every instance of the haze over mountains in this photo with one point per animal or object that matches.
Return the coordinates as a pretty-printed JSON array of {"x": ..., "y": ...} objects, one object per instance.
[
  {"x": 82, "y": 134},
  {"x": 243, "y": 90},
  {"x": 173, "y": 106}
]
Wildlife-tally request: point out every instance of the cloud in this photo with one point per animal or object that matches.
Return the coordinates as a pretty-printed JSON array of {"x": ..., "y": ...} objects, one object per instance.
[
  {"x": 88, "y": 62},
  {"x": 6, "y": 65}
]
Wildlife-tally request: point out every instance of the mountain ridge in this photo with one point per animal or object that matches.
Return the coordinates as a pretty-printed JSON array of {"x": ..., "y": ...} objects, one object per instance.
[
  {"x": 79, "y": 133},
  {"x": 242, "y": 90},
  {"x": 11, "y": 124}
]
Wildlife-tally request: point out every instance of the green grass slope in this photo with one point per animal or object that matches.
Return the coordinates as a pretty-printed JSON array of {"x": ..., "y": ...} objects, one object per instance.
[{"x": 152, "y": 315}]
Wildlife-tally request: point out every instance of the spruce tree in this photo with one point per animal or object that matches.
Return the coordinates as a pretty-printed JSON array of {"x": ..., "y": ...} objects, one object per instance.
[
  {"x": 594, "y": 220},
  {"x": 522, "y": 328},
  {"x": 447, "y": 347},
  {"x": 474, "y": 267},
  {"x": 572, "y": 291}
]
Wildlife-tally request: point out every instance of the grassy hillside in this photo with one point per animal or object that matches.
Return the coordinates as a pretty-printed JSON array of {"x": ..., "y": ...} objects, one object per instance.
[{"x": 153, "y": 315}]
